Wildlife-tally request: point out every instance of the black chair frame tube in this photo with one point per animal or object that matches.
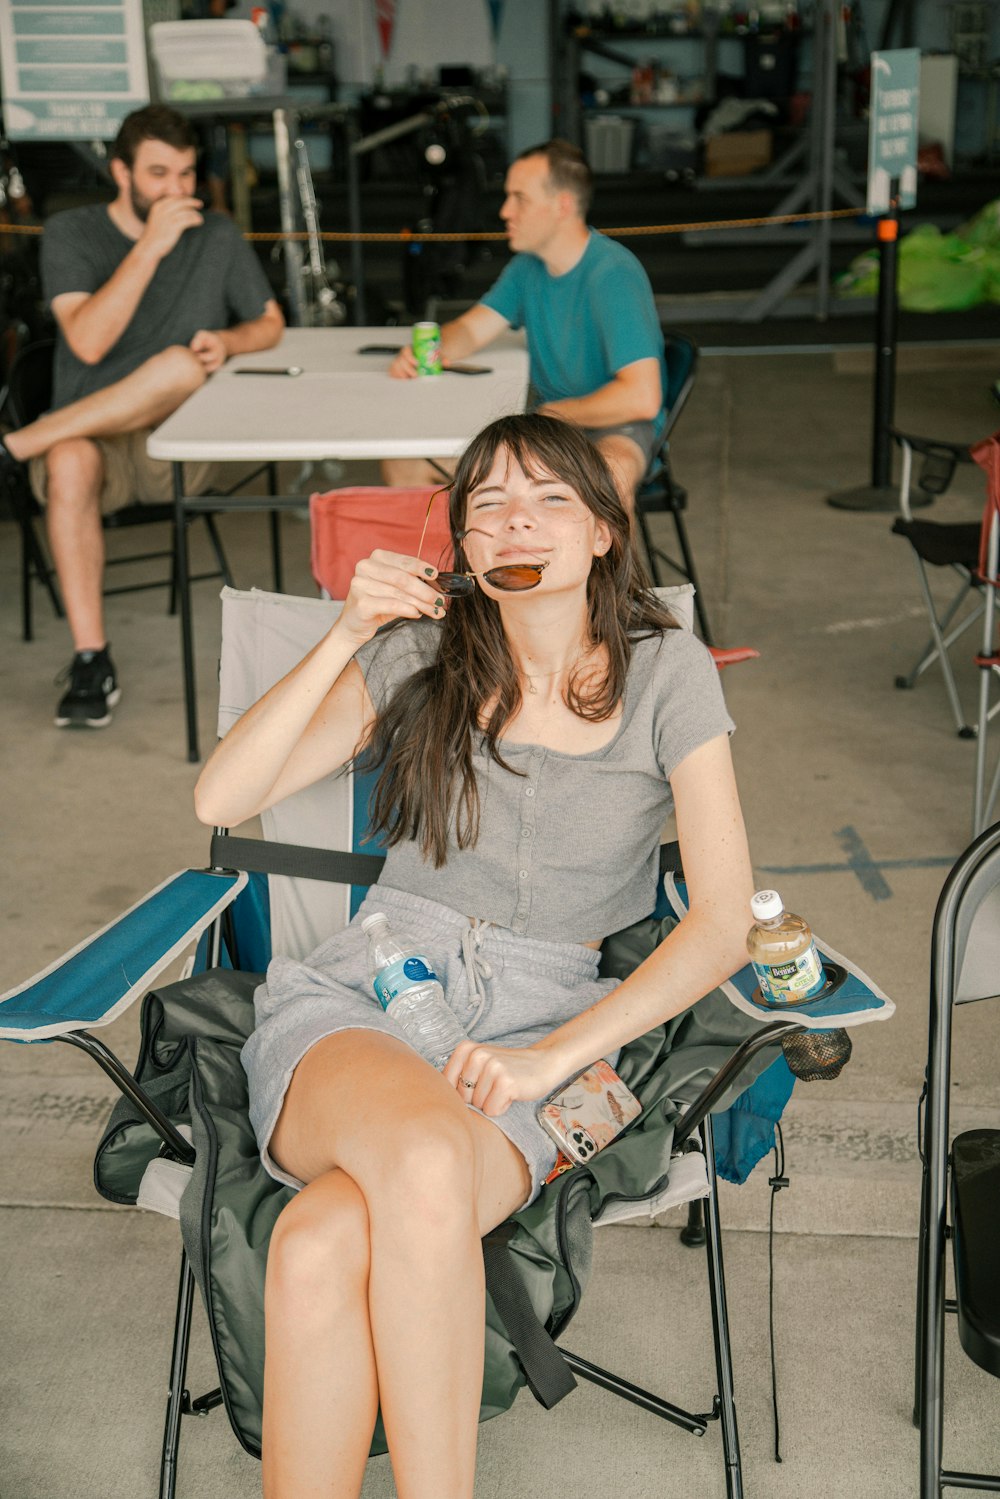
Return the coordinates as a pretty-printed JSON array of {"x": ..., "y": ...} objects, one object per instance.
[
  {"x": 178, "y": 1402},
  {"x": 126, "y": 1083}
]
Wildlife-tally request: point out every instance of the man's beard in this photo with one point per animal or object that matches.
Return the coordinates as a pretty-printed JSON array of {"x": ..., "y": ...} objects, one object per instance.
[{"x": 140, "y": 205}]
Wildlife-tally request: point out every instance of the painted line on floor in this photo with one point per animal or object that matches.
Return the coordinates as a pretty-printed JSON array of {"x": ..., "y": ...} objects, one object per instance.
[{"x": 862, "y": 865}]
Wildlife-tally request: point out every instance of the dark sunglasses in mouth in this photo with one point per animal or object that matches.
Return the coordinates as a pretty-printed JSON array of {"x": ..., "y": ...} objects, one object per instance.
[{"x": 513, "y": 577}]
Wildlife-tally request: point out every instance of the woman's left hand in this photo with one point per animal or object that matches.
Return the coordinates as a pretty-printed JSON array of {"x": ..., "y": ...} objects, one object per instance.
[{"x": 500, "y": 1075}]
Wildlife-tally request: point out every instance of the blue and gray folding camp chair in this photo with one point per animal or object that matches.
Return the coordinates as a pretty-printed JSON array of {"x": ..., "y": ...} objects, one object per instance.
[{"x": 180, "y": 1141}]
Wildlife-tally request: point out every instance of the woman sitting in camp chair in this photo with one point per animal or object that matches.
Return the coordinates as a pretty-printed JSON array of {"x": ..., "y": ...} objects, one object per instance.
[{"x": 531, "y": 736}]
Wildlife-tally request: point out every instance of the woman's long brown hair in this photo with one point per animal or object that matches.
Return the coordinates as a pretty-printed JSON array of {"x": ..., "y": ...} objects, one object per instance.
[{"x": 423, "y": 739}]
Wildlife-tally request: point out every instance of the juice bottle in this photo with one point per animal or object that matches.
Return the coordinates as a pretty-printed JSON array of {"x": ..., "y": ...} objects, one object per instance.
[{"x": 783, "y": 953}]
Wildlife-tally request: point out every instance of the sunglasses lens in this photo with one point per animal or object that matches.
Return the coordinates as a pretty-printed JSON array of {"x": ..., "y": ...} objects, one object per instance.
[
  {"x": 516, "y": 578},
  {"x": 454, "y": 585}
]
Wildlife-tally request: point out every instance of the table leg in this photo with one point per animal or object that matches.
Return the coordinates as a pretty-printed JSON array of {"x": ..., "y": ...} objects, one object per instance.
[
  {"x": 276, "y": 560},
  {"x": 182, "y": 574}
]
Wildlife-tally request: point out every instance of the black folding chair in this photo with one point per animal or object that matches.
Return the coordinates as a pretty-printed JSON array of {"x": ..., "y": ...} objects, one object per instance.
[
  {"x": 938, "y": 544},
  {"x": 660, "y": 492},
  {"x": 963, "y": 1174}
]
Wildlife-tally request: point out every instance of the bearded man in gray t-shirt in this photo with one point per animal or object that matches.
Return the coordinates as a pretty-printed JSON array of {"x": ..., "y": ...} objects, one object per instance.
[{"x": 150, "y": 295}]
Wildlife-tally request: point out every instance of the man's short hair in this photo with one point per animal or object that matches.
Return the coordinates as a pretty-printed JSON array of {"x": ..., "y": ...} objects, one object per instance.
[
  {"x": 568, "y": 170},
  {"x": 157, "y": 122}
]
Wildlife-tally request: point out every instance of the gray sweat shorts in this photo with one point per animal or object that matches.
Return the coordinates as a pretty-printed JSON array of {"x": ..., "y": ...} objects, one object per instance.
[{"x": 504, "y": 989}]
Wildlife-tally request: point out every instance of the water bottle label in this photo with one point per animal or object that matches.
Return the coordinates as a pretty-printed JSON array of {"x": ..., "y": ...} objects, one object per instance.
[
  {"x": 402, "y": 975},
  {"x": 791, "y": 983}
]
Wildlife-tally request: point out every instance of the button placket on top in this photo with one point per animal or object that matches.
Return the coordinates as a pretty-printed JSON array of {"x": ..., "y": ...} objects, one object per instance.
[{"x": 525, "y": 851}]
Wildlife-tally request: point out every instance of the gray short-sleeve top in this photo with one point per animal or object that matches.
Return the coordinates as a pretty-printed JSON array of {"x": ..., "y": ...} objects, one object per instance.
[
  {"x": 568, "y": 844},
  {"x": 211, "y": 279}
]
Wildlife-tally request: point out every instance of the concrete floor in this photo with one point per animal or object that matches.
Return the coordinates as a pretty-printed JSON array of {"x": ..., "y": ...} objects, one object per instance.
[{"x": 857, "y": 798}]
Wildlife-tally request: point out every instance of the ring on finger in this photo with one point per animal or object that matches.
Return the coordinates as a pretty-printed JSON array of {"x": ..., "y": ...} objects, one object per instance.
[{"x": 467, "y": 1082}]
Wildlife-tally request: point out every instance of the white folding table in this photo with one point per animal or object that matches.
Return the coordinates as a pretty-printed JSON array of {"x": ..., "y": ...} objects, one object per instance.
[{"x": 341, "y": 404}]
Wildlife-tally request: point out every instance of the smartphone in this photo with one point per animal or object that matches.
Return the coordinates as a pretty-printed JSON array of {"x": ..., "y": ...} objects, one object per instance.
[
  {"x": 289, "y": 369},
  {"x": 467, "y": 369},
  {"x": 381, "y": 348},
  {"x": 588, "y": 1112}
]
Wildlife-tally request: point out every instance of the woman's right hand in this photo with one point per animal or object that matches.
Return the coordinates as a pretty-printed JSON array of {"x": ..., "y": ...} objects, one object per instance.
[{"x": 388, "y": 586}]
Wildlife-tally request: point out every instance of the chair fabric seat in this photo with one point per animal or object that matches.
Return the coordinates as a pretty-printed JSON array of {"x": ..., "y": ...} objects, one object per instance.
[
  {"x": 942, "y": 545},
  {"x": 975, "y": 1197}
]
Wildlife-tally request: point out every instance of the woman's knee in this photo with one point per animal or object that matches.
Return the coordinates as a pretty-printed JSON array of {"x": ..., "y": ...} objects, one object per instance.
[
  {"x": 320, "y": 1251},
  {"x": 427, "y": 1178}
]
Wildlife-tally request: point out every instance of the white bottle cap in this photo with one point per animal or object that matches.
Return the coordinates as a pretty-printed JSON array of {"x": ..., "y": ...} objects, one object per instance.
[
  {"x": 372, "y": 920},
  {"x": 766, "y": 904}
]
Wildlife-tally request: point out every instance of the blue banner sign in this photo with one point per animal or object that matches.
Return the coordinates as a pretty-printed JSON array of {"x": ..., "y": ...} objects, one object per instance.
[
  {"x": 892, "y": 129},
  {"x": 72, "y": 69}
]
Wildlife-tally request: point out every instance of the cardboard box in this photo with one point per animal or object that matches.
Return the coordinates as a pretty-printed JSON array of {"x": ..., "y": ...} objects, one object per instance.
[{"x": 737, "y": 153}]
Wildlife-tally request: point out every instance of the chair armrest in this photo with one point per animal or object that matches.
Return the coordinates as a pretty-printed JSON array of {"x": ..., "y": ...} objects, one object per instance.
[{"x": 97, "y": 980}]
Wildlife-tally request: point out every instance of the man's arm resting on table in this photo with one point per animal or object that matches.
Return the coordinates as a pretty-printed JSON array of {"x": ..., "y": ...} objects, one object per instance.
[
  {"x": 459, "y": 338},
  {"x": 634, "y": 394},
  {"x": 214, "y": 346}
]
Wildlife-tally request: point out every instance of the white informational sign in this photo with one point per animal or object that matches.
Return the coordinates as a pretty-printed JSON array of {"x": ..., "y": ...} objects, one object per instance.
[
  {"x": 72, "y": 69},
  {"x": 892, "y": 128}
]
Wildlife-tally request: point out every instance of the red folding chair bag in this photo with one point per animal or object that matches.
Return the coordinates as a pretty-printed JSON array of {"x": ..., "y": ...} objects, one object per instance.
[{"x": 348, "y": 524}]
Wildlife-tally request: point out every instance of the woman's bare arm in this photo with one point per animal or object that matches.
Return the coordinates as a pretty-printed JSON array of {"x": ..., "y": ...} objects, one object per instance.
[
  {"x": 313, "y": 720},
  {"x": 705, "y": 948}
]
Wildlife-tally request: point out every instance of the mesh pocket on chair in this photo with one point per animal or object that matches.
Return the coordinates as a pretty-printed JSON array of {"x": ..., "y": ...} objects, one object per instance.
[{"x": 815, "y": 1056}]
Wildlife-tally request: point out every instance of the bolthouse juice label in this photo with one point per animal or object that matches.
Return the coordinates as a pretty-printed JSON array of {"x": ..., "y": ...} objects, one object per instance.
[
  {"x": 793, "y": 981},
  {"x": 394, "y": 980},
  {"x": 783, "y": 953}
]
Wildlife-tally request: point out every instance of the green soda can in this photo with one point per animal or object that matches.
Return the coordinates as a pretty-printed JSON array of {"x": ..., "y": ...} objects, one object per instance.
[{"x": 427, "y": 348}]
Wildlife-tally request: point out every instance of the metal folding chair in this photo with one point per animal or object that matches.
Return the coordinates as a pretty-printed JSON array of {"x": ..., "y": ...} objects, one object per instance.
[
  {"x": 940, "y": 545},
  {"x": 660, "y": 492},
  {"x": 987, "y": 455},
  {"x": 960, "y": 1190}
]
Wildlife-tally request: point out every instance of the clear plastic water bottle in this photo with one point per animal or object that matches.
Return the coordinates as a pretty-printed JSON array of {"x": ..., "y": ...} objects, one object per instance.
[
  {"x": 788, "y": 966},
  {"x": 410, "y": 992}
]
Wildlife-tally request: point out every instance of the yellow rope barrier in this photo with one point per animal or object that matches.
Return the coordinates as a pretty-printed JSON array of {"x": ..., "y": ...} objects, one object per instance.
[{"x": 407, "y": 236}]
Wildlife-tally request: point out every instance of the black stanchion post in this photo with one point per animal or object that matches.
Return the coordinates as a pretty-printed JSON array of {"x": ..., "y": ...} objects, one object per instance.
[
  {"x": 880, "y": 494},
  {"x": 885, "y": 349}
]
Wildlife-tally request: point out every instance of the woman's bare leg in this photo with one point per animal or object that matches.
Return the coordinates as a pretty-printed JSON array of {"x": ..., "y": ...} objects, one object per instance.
[
  {"x": 433, "y": 1177},
  {"x": 320, "y": 1390},
  {"x": 142, "y": 399}
]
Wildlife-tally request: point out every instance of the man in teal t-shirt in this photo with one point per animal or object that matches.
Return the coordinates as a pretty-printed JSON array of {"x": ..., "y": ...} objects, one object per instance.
[{"x": 587, "y": 308}]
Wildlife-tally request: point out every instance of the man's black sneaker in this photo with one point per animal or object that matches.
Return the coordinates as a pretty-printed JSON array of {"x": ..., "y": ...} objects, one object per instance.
[{"x": 92, "y": 692}]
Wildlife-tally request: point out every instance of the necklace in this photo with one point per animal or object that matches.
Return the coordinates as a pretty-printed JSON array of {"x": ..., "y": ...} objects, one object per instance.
[
  {"x": 540, "y": 676},
  {"x": 544, "y": 676}
]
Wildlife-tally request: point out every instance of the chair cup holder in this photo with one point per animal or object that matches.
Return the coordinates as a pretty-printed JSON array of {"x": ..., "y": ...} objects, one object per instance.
[{"x": 836, "y": 977}]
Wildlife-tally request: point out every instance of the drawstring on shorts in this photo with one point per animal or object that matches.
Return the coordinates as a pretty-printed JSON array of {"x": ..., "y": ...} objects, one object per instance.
[{"x": 478, "y": 968}]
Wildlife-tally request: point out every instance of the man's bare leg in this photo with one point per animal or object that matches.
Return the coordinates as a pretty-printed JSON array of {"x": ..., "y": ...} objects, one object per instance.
[
  {"x": 627, "y": 463},
  {"x": 73, "y": 518},
  {"x": 75, "y": 471},
  {"x": 142, "y": 399},
  {"x": 413, "y": 473}
]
